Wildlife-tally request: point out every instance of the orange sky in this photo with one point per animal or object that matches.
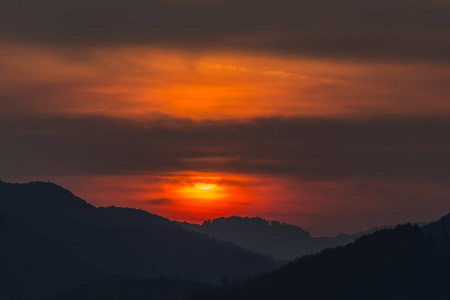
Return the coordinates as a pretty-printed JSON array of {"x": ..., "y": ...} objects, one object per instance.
[
  {"x": 137, "y": 82},
  {"x": 169, "y": 90}
]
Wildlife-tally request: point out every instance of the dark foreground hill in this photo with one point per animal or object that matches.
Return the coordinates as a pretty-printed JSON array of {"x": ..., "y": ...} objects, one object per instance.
[
  {"x": 280, "y": 240},
  {"x": 120, "y": 288},
  {"x": 402, "y": 263},
  {"x": 32, "y": 266},
  {"x": 73, "y": 238}
]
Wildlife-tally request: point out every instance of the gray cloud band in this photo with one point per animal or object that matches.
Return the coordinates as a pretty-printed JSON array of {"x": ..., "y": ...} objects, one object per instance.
[
  {"x": 310, "y": 149},
  {"x": 351, "y": 29}
]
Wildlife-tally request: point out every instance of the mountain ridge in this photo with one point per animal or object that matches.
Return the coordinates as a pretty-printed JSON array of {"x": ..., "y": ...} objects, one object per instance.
[
  {"x": 398, "y": 263},
  {"x": 132, "y": 243},
  {"x": 280, "y": 240},
  {"x": 125, "y": 242}
]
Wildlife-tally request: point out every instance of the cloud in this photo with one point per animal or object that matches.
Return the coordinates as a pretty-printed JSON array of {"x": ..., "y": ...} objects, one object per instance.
[
  {"x": 159, "y": 201},
  {"x": 304, "y": 148},
  {"x": 349, "y": 29}
]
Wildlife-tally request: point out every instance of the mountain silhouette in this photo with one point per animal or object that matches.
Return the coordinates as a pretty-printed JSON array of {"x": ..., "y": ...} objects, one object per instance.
[
  {"x": 279, "y": 240},
  {"x": 401, "y": 263},
  {"x": 32, "y": 266},
  {"x": 439, "y": 229},
  {"x": 57, "y": 246},
  {"x": 120, "y": 241},
  {"x": 42, "y": 196}
]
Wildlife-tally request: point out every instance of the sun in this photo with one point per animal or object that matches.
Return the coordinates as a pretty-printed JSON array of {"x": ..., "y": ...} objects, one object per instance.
[
  {"x": 202, "y": 186},
  {"x": 204, "y": 180}
]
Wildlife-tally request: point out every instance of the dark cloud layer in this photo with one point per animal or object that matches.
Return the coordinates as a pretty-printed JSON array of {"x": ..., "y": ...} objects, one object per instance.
[
  {"x": 351, "y": 29},
  {"x": 308, "y": 149}
]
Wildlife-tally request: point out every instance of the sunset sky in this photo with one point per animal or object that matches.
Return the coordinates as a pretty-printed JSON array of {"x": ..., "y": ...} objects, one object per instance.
[{"x": 330, "y": 115}]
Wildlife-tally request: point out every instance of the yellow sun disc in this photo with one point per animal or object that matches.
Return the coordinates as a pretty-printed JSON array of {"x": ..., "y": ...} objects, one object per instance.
[{"x": 204, "y": 180}]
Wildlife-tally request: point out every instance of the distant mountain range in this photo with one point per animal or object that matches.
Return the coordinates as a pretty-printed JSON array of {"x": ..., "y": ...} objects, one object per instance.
[
  {"x": 406, "y": 262},
  {"x": 280, "y": 240},
  {"x": 55, "y": 240}
]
